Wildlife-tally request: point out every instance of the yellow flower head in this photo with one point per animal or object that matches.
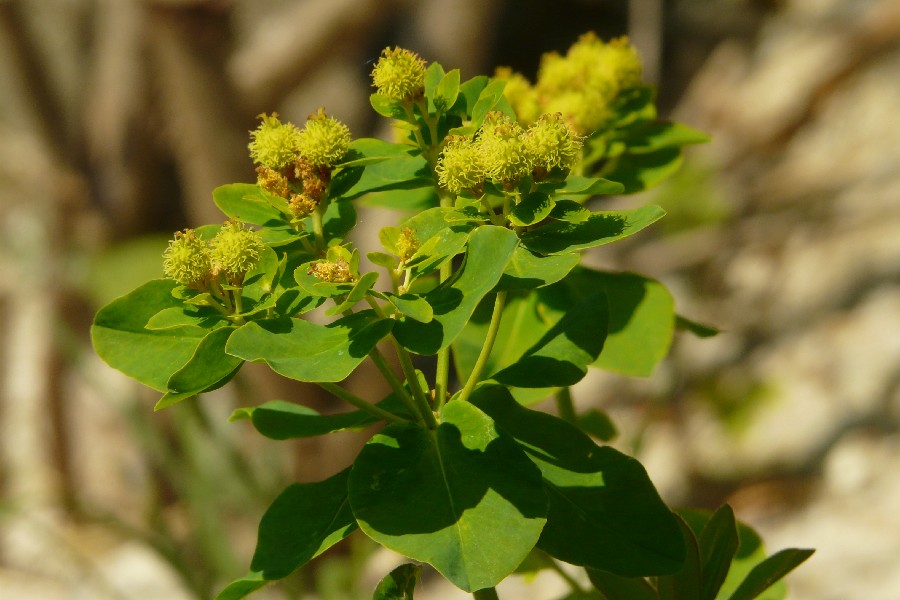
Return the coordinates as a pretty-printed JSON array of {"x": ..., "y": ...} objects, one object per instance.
[
  {"x": 461, "y": 165},
  {"x": 274, "y": 144},
  {"x": 552, "y": 144},
  {"x": 502, "y": 145},
  {"x": 332, "y": 271},
  {"x": 187, "y": 260},
  {"x": 235, "y": 250},
  {"x": 399, "y": 74},
  {"x": 324, "y": 141}
]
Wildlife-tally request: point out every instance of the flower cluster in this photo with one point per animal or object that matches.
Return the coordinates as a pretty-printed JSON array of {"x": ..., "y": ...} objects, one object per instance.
[
  {"x": 582, "y": 85},
  {"x": 502, "y": 150},
  {"x": 196, "y": 263},
  {"x": 399, "y": 74},
  {"x": 295, "y": 164}
]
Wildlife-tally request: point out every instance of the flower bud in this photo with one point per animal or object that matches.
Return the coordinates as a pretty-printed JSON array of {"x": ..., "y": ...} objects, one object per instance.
[
  {"x": 274, "y": 144},
  {"x": 187, "y": 259},
  {"x": 460, "y": 166},
  {"x": 302, "y": 205},
  {"x": 399, "y": 74},
  {"x": 502, "y": 144},
  {"x": 324, "y": 141},
  {"x": 235, "y": 250},
  {"x": 272, "y": 181},
  {"x": 552, "y": 144}
]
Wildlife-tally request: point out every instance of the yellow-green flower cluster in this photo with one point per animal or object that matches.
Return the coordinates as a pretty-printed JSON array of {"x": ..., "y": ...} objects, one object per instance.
[
  {"x": 274, "y": 144},
  {"x": 399, "y": 74},
  {"x": 235, "y": 250},
  {"x": 332, "y": 271},
  {"x": 324, "y": 141},
  {"x": 582, "y": 85},
  {"x": 187, "y": 259},
  {"x": 505, "y": 152}
]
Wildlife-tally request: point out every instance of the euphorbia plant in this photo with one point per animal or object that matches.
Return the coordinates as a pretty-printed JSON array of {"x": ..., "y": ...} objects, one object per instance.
[{"x": 480, "y": 285}]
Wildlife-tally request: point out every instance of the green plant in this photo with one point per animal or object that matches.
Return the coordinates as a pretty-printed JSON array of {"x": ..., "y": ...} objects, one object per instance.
[{"x": 484, "y": 280}]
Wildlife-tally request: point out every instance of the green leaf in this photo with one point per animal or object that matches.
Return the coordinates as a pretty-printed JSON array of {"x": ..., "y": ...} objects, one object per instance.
[
  {"x": 533, "y": 208},
  {"x": 338, "y": 220},
  {"x": 453, "y": 302},
  {"x": 387, "y": 107},
  {"x": 150, "y": 357},
  {"x": 359, "y": 291},
  {"x": 604, "y": 511},
  {"x": 447, "y": 90},
  {"x": 367, "y": 151},
  {"x": 417, "y": 199},
  {"x": 413, "y": 306},
  {"x": 686, "y": 583},
  {"x": 651, "y": 136},
  {"x": 246, "y": 202},
  {"x": 399, "y": 583},
  {"x": 208, "y": 366},
  {"x": 570, "y": 211},
  {"x": 562, "y": 356},
  {"x": 460, "y": 497},
  {"x": 185, "y": 315},
  {"x": 471, "y": 90},
  {"x": 616, "y": 587},
  {"x": 597, "y": 423},
  {"x": 433, "y": 76},
  {"x": 395, "y": 174},
  {"x": 639, "y": 172},
  {"x": 243, "y": 587},
  {"x": 280, "y": 420},
  {"x": 490, "y": 99},
  {"x": 718, "y": 544},
  {"x": 305, "y": 351},
  {"x": 603, "y": 227},
  {"x": 583, "y": 186},
  {"x": 527, "y": 270},
  {"x": 699, "y": 329},
  {"x": 304, "y": 520},
  {"x": 769, "y": 571},
  {"x": 641, "y": 320}
]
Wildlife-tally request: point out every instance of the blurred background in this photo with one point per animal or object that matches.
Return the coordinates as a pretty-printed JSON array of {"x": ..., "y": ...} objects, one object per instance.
[{"x": 118, "y": 118}]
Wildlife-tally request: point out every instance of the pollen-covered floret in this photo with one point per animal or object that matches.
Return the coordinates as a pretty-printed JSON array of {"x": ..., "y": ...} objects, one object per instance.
[
  {"x": 274, "y": 144},
  {"x": 399, "y": 74},
  {"x": 272, "y": 181},
  {"x": 407, "y": 244},
  {"x": 302, "y": 205},
  {"x": 187, "y": 260},
  {"x": 235, "y": 250},
  {"x": 332, "y": 271},
  {"x": 461, "y": 165},
  {"x": 502, "y": 146},
  {"x": 552, "y": 144},
  {"x": 324, "y": 141}
]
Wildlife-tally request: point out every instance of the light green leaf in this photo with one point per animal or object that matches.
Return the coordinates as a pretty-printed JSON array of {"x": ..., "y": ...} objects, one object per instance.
[
  {"x": 399, "y": 583},
  {"x": 460, "y": 497},
  {"x": 367, "y": 151},
  {"x": 603, "y": 227},
  {"x": 604, "y": 511},
  {"x": 304, "y": 520},
  {"x": 359, "y": 291},
  {"x": 387, "y": 107},
  {"x": 639, "y": 172},
  {"x": 490, "y": 99},
  {"x": 433, "y": 76},
  {"x": 447, "y": 90},
  {"x": 243, "y": 587},
  {"x": 770, "y": 571},
  {"x": 413, "y": 306},
  {"x": 471, "y": 91},
  {"x": 527, "y": 270},
  {"x": 651, "y": 136},
  {"x": 246, "y": 202},
  {"x": 587, "y": 186},
  {"x": 570, "y": 211},
  {"x": 489, "y": 250},
  {"x": 533, "y": 208},
  {"x": 396, "y": 174},
  {"x": 718, "y": 543},
  {"x": 208, "y": 366},
  {"x": 184, "y": 315},
  {"x": 151, "y": 357},
  {"x": 305, "y": 351}
]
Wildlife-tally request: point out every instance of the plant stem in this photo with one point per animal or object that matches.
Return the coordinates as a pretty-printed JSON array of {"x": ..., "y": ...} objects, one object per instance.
[
  {"x": 565, "y": 406},
  {"x": 493, "y": 328},
  {"x": 316, "y": 218},
  {"x": 418, "y": 393},
  {"x": 486, "y": 594},
  {"x": 442, "y": 374},
  {"x": 571, "y": 581},
  {"x": 359, "y": 403},
  {"x": 395, "y": 383}
]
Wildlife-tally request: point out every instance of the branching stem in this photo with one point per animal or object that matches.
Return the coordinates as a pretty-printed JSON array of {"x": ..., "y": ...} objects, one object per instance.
[{"x": 359, "y": 403}]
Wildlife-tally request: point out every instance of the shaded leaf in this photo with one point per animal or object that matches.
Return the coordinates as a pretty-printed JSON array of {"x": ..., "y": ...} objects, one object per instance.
[
  {"x": 438, "y": 495},
  {"x": 527, "y": 270},
  {"x": 243, "y": 587},
  {"x": 603, "y": 227},
  {"x": 638, "y": 172},
  {"x": 718, "y": 544},
  {"x": 769, "y": 571},
  {"x": 616, "y": 587},
  {"x": 651, "y": 136},
  {"x": 699, "y": 329},
  {"x": 366, "y": 151},
  {"x": 281, "y": 420},
  {"x": 399, "y": 583},
  {"x": 533, "y": 208},
  {"x": 686, "y": 583},
  {"x": 587, "y": 186},
  {"x": 209, "y": 366}
]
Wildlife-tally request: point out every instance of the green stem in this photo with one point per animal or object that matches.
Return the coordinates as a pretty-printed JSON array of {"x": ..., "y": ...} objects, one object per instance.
[
  {"x": 486, "y": 594},
  {"x": 359, "y": 403},
  {"x": 565, "y": 406},
  {"x": 395, "y": 383},
  {"x": 571, "y": 581},
  {"x": 493, "y": 328},
  {"x": 316, "y": 218},
  {"x": 442, "y": 374},
  {"x": 409, "y": 371},
  {"x": 411, "y": 115}
]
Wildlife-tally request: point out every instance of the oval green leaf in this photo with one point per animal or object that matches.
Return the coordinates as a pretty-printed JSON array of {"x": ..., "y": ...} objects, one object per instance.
[
  {"x": 603, "y": 227},
  {"x": 399, "y": 584}
]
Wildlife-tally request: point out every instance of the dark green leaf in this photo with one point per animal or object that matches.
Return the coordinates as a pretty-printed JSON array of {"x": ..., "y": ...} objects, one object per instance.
[
  {"x": 280, "y": 420},
  {"x": 460, "y": 497},
  {"x": 366, "y": 151},
  {"x": 698, "y": 329},
  {"x": 651, "y": 136},
  {"x": 601, "y": 228},
  {"x": 304, "y": 520},
  {"x": 638, "y": 172},
  {"x": 359, "y": 291},
  {"x": 151, "y": 357},
  {"x": 338, "y": 220},
  {"x": 718, "y": 544},
  {"x": 562, "y": 356},
  {"x": 489, "y": 249},
  {"x": 616, "y": 587},
  {"x": 604, "y": 511},
  {"x": 399, "y": 584},
  {"x": 533, "y": 208},
  {"x": 396, "y": 174},
  {"x": 570, "y": 211},
  {"x": 587, "y": 186},
  {"x": 305, "y": 351},
  {"x": 769, "y": 571},
  {"x": 243, "y": 587},
  {"x": 686, "y": 583},
  {"x": 526, "y": 270},
  {"x": 208, "y": 366},
  {"x": 597, "y": 423}
]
